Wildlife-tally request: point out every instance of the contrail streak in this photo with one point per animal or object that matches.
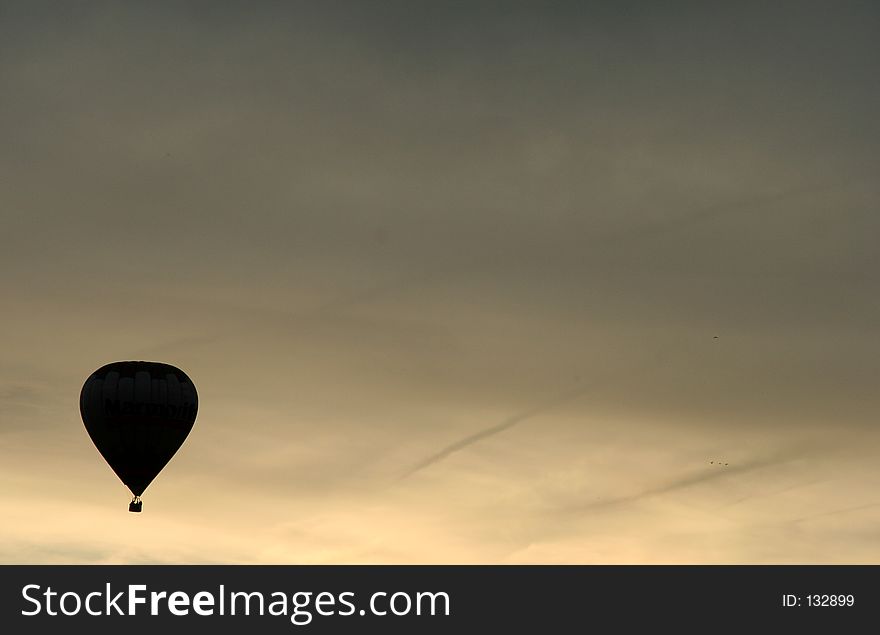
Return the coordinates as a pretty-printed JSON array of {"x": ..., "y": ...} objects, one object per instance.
[
  {"x": 775, "y": 492},
  {"x": 485, "y": 433},
  {"x": 705, "y": 476},
  {"x": 507, "y": 424},
  {"x": 833, "y": 512}
]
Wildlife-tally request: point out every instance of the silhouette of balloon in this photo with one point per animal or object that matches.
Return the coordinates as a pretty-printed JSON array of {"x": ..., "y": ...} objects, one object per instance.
[{"x": 138, "y": 414}]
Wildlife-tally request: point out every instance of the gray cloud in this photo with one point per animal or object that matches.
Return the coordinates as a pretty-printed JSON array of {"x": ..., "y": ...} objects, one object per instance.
[{"x": 379, "y": 236}]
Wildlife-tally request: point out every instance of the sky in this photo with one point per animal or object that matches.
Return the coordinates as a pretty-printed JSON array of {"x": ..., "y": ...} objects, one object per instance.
[{"x": 484, "y": 282}]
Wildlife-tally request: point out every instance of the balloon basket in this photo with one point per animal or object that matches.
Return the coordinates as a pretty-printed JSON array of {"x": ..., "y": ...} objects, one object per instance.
[{"x": 135, "y": 505}]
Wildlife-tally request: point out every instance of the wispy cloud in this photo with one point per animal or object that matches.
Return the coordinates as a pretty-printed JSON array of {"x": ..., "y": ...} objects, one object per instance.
[
  {"x": 421, "y": 276},
  {"x": 687, "y": 219}
]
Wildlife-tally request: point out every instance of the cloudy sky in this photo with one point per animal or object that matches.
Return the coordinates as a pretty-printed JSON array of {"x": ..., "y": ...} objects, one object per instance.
[{"x": 491, "y": 282}]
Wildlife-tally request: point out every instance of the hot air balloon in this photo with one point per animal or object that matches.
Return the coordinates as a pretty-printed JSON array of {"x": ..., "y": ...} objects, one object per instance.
[{"x": 138, "y": 414}]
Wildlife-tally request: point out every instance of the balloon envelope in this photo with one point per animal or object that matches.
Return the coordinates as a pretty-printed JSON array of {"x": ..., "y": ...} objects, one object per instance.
[{"x": 138, "y": 414}]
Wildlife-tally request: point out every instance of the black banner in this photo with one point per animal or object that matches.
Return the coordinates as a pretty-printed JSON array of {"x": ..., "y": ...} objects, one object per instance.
[{"x": 433, "y": 599}]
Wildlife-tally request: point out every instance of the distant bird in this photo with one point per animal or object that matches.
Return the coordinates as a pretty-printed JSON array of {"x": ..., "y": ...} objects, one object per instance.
[{"x": 715, "y": 338}]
